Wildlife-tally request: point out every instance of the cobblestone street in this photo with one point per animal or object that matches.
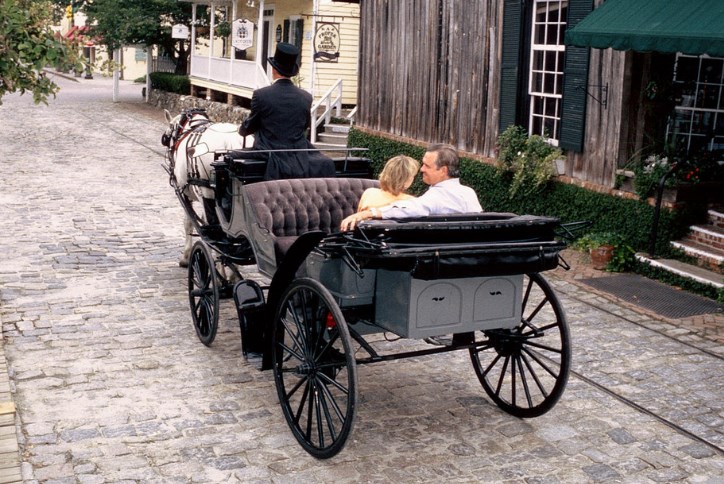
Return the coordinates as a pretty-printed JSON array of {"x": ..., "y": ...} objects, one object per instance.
[{"x": 111, "y": 385}]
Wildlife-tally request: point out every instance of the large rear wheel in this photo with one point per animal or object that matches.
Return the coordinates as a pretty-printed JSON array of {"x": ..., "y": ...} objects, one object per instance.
[
  {"x": 203, "y": 284},
  {"x": 525, "y": 369},
  {"x": 314, "y": 368}
]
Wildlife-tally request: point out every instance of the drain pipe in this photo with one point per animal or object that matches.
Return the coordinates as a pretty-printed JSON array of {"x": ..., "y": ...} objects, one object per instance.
[{"x": 657, "y": 210}]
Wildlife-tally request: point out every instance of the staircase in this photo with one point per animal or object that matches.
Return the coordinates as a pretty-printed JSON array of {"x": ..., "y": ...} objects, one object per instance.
[
  {"x": 333, "y": 139},
  {"x": 705, "y": 243}
]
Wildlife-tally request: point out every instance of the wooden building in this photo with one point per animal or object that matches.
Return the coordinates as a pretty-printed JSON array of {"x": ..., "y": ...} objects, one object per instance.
[
  {"x": 461, "y": 71},
  {"x": 232, "y": 40}
]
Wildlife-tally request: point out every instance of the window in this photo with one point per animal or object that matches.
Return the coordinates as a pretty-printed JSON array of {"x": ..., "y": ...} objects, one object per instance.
[
  {"x": 545, "y": 82},
  {"x": 294, "y": 30},
  {"x": 699, "y": 114},
  {"x": 542, "y": 83}
]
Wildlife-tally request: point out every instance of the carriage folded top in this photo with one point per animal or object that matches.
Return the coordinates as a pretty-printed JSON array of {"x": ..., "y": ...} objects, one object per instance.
[{"x": 454, "y": 246}]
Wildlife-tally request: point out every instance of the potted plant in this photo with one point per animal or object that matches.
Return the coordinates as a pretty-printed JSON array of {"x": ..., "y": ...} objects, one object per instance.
[{"x": 600, "y": 246}]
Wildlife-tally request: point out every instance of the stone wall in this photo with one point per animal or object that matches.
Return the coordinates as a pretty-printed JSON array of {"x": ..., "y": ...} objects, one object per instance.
[{"x": 218, "y": 112}]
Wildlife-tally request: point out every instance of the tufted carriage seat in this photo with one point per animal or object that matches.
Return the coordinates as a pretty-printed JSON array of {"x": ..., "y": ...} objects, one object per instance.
[{"x": 282, "y": 210}]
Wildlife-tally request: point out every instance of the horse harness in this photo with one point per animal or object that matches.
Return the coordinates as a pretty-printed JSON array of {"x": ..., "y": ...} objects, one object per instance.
[{"x": 194, "y": 132}]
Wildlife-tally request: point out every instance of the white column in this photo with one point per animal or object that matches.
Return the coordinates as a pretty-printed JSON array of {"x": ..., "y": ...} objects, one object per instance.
[
  {"x": 315, "y": 11},
  {"x": 149, "y": 59},
  {"x": 116, "y": 72},
  {"x": 260, "y": 35}
]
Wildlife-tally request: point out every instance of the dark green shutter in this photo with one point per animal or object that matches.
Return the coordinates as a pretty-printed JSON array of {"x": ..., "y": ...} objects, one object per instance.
[
  {"x": 285, "y": 35},
  {"x": 509, "y": 63},
  {"x": 575, "y": 83},
  {"x": 300, "y": 33}
]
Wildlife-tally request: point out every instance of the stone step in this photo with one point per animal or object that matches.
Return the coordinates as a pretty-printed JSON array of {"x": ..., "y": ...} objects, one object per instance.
[
  {"x": 333, "y": 138},
  {"x": 331, "y": 149},
  {"x": 336, "y": 128},
  {"x": 683, "y": 269},
  {"x": 705, "y": 255}
]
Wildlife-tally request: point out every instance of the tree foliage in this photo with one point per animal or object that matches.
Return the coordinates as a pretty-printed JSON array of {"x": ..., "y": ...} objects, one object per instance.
[
  {"x": 147, "y": 22},
  {"x": 27, "y": 45}
]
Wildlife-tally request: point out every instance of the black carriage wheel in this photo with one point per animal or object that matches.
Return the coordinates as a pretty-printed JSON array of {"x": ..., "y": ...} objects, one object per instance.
[
  {"x": 314, "y": 368},
  {"x": 525, "y": 369},
  {"x": 203, "y": 284}
]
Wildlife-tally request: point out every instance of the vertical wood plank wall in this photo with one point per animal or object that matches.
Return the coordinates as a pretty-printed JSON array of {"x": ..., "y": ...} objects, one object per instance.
[
  {"x": 424, "y": 70},
  {"x": 430, "y": 72}
]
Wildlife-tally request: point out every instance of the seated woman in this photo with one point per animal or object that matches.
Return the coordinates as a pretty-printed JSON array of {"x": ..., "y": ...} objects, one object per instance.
[{"x": 396, "y": 177}]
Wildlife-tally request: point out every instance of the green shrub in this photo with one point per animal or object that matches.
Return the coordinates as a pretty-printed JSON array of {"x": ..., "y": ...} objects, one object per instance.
[
  {"x": 526, "y": 161},
  {"x": 169, "y": 82}
]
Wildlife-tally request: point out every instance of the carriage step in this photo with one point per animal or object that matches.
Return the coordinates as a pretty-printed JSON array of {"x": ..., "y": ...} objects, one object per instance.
[{"x": 250, "y": 306}]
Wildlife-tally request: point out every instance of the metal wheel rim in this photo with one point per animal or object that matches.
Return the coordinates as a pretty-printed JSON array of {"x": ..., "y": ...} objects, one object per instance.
[
  {"x": 203, "y": 286},
  {"x": 314, "y": 368},
  {"x": 524, "y": 370}
]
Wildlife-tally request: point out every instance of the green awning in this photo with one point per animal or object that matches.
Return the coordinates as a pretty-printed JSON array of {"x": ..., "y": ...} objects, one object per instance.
[{"x": 688, "y": 26}]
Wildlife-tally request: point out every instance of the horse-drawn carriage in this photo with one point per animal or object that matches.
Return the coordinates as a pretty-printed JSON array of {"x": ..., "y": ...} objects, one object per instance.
[{"x": 473, "y": 276}]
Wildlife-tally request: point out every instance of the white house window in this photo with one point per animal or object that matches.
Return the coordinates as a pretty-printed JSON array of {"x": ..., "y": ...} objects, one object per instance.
[
  {"x": 699, "y": 114},
  {"x": 546, "y": 68}
]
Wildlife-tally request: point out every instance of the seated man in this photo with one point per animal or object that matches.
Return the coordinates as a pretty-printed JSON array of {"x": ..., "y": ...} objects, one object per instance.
[
  {"x": 441, "y": 170},
  {"x": 279, "y": 118}
]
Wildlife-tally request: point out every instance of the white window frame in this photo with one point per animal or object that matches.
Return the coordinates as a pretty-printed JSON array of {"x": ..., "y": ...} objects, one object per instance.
[
  {"x": 557, "y": 74},
  {"x": 687, "y": 111}
]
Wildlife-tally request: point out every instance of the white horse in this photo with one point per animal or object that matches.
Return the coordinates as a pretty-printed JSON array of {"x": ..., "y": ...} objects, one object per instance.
[{"x": 192, "y": 140}]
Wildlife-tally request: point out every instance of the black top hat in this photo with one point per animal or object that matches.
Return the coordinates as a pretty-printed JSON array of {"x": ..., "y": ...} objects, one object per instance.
[{"x": 285, "y": 59}]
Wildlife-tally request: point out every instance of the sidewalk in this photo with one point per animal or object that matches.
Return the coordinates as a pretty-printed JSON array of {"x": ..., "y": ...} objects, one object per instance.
[{"x": 111, "y": 385}]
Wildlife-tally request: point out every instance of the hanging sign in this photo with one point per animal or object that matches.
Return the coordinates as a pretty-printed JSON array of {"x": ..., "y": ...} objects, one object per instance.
[
  {"x": 179, "y": 31},
  {"x": 326, "y": 42},
  {"x": 242, "y": 31}
]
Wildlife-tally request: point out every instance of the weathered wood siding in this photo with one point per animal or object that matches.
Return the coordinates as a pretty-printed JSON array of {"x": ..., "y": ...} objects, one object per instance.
[
  {"x": 606, "y": 126},
  {"x": 429, "y": 70}
]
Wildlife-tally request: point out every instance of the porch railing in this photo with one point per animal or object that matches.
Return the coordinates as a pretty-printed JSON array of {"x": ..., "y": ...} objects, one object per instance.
[
  {"x": 332, "y": 99},
  {"x": 237, "y": 73}
]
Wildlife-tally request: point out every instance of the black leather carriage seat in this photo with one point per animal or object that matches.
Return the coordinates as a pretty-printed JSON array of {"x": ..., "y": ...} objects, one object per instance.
[{"x": 288, "y": 208}]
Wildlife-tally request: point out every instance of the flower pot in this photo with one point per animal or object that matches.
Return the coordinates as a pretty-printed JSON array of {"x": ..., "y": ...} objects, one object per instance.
[{"x": 601, "y": 256}]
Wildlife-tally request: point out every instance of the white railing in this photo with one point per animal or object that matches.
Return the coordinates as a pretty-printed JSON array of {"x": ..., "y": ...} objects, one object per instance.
[
  {"x": 237, "y": 73},
  {"x": 329, "y": 100}
]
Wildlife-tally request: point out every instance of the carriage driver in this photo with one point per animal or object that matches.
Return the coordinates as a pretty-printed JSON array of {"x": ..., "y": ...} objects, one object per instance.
[
  {"x": 279, "y": 118},
  {"x": 441, "y": 170}
]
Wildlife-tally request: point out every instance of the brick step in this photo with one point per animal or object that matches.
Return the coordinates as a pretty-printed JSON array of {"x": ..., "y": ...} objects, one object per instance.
[
  {"x": 716, "y": 217},
  {"x": 711, "y": 259},
  {"x": 708, "y": 235}
]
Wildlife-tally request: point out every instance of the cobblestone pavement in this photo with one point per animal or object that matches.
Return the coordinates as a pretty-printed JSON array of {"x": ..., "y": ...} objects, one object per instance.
[{"x": 111, "y": 384}]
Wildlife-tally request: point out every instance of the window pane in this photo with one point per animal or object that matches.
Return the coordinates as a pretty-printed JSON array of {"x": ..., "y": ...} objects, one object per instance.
[
  {"x": 549, "y": 86},
  {"x": 711, "y": 71},
  {"x": 538, "y": 60}
]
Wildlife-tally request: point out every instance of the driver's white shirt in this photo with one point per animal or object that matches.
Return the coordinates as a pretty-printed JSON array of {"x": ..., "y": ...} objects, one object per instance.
[{"x": 443, "y": 198}]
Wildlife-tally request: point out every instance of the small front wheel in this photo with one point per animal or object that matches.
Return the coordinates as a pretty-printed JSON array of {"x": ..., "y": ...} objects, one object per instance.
[
  {"x": 525, "y": 369},
  {"x": 314, "y": 368},
  {"x": 203, "y": 284}
]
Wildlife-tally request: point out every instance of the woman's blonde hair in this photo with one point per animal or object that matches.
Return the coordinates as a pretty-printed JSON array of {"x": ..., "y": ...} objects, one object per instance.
[{"x": 396, "y": 172}]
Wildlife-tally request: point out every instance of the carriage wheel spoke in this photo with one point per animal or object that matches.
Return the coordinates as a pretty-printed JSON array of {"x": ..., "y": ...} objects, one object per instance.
[
  {"x": 540, "y": 362},
  {"x": 524, "y": 381},
  {"x": 534, "y": 375}
]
